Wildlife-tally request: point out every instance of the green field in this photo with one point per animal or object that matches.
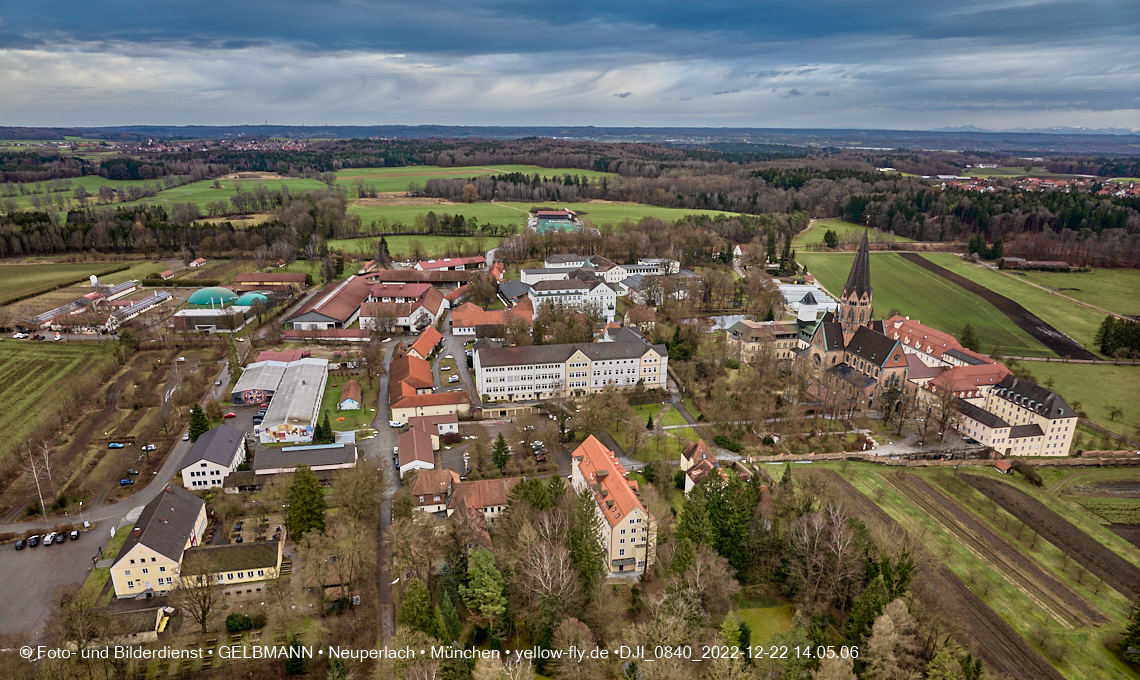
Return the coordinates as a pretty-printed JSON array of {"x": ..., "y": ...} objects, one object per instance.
[
  {"x": 400, "y": 246},
  {"x": 201, "y": 193},
  {"x": 1117, "y": 290},
  {"x": 612, "y": 213},
  {"x": 767, "y": 621},
  {"x": 31, "y": 371},
  {"x": 1076, "y": 321},
  {"x": 815, "y": 231},
  {"x": 1037, "y": 171},
  {"x": 353, "y": 420},
  {"x": 398, "y": 179},
  {"x": 22, "y": 279},
  {"x": 138, "y": 272},
  {"x": 1096, "y": 387},
  {"x": 927, "y": 297}
]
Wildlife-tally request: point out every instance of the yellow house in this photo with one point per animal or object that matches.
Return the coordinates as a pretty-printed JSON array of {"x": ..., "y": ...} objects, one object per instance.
[
  {"x": 151, "y": 558},
  {"x": 236, "y": 565}
]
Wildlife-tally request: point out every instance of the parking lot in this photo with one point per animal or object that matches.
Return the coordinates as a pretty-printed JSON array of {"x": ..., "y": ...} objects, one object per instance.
[{"x": 32, "y": 577}]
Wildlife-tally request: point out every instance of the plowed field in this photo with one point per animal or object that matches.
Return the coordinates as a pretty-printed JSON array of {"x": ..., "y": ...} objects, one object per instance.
[
  {"x": 1107, "y": 565},
  {"x": 1002, "y": 649}
]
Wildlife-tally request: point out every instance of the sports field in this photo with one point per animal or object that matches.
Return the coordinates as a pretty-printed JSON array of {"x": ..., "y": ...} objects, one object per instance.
[
  {"x": 1117, "y": 290},
  {"x": 400, "y": 246},
  {"x": 1076, "y": 321},
  {"x": 31, "y": 371},
  {"x": 22, "y": 279},
  {"x": 927, "y": 297},
  {"x": 815, "y": 231},
  {"x": 398, "y": 179},
  {"x": 1096, "y": 387}
]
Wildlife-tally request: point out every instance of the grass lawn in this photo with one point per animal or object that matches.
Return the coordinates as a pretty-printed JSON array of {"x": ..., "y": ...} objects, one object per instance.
[
  {"x": 138, "y": 272},
  {"x": 401, "y": 246},
  {"x": 116, "y": 542},
  {"x": 815, "y": 231},
  {"x": 398, "y": 179},
  {"x": 484, "y": 211},
  {"x": 353, "y": 420},
  {"x": 673, "y": 417},
  {"x": 602, "y": 213},
  {"x": 923, "y": 295},
  {"x": 31, "y": 372},
  {"x": 22, "y": 279},
  {"x": 1076, "y": 321},
  {"x": 1086, "y": 657},
  {"x": 1096, "y": 387},
  {"x": 691, "y": 407},
  {"x": 767, "y": 621},
  {"x": 1117, "y": 290}
]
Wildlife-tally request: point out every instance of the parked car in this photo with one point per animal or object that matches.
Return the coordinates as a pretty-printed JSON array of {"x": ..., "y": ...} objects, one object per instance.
[
  {"x": 75, "y": 534},
  {"x": 445, "y": 368},
  {"x": 395, "y": 450},
  {"x": 60, "y": 538},
  {"x": 126, "y": 482},
  {"x": 35, "y": 336},
  {"x": 150, "y": 447},
  {"x": 58, "y": 337},
  {"x": 180, "y": 360},
  {"x": 186, "y": 437},
  {"x": 231, "y": 414},
  {"x": 395, "y": 423},
  {"x": 386, "y": 340},
  {"x": 540, "y": 456},
  {"x": 21, "y": 544},
  {"x": 115, "y": 445},
  {"x": 33, "y": 541},
  {"x": 257, "y": 420},
  {"x": 48, "y": 538},
  {"x": 133, "y": 472},
  {"x": 217, "y": 382},
  {"x": 453, "y": 379},
  {"x": 19, "y": 336},
  {"x": 241, "y": 339}
]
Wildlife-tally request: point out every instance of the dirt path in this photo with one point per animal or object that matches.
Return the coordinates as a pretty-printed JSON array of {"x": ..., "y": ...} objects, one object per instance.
[
  {"x": 1055, "y": 340},
  {"x": 1082, "y": 548},
  {"x": 1002, "y": 649},
  {"x": 1055, "y": 598}
]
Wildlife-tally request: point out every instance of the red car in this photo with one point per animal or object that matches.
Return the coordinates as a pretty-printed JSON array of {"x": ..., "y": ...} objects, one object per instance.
[{"x": 231, "y": 414}]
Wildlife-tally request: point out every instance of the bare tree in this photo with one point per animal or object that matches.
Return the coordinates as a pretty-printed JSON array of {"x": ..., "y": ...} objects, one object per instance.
[
  {"x": 45, "y": 456},
  {"x": 34, "y": 465},
  {"x": 199, "y": 594}
]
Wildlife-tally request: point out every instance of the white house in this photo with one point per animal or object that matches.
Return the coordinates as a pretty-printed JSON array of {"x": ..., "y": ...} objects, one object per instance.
[{"x": 217, "y": 453}]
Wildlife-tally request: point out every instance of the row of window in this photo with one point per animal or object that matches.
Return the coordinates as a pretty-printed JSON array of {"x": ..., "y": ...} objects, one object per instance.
[
  {"x": 204, "y": 473},
  {"x": 207, "y": 482},
  {"x": 145, "y": 570},
  {"x": 169, "y": 581},
  {"x": 240, "y": 575}
]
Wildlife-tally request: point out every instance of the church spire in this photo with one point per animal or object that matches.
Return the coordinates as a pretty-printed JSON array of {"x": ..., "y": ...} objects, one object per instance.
[{"x": 859, "y": 280}]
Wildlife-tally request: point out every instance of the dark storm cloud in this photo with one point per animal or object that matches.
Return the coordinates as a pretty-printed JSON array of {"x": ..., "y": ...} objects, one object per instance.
[{"x": 889, "y": 62}]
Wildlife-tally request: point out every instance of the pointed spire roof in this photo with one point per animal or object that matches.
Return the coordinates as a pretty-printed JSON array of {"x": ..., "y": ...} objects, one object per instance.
[
  {"x": 808, "y": 299},
  {"x": 859, "y": 280}
]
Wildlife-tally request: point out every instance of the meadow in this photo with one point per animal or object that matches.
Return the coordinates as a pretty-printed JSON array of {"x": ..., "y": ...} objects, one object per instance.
[
  {"x": 815, "y": 231},
  {"x": 1117, "y": 290},
  {"x": 1095, "y": 387},
  {"x": 31, "y": 371},
  {"x": 400, "y": 246},
  {"x": 22, "y": 279},
  {"x": 1077, "y": 321},
  {"x": 1009, "y": 171},
  {"x": 927, "y": 297}
]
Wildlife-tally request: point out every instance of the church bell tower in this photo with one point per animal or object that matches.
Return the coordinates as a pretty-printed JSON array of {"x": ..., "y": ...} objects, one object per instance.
[{"x": 855, "y": 302}]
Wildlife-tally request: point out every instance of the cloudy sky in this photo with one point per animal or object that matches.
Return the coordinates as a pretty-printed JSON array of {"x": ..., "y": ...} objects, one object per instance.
[{"x": 903, "y": 64}]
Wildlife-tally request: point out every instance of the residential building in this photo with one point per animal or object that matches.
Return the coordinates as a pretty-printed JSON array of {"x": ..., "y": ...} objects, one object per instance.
[
  {"x": 576, "y": 294},
  {"x": 198, "y": 262},
  {"x": 698, "y": 462},
  {"x": 407, "y": 407},
  {"x": 444, "y": 425},
  {"x": 746, "y": 339},
  {"x": 414, "y": 371},
  {"x": 431, "y": 490},
  {"x": 151, "y": 558},
  {"x": 471, "y": 319},
  {"x": 644, "y": 319},
  {"x": 487, "y": 497},
  {"x": 933, "y": 347},
  {"x": 542, "y": 371},
  {"x": 216, "y": 453},
  {"x": 417, "y": 446},
  {"x": 236, "y": 565},
  {"x": 426, "y": 343},
  {"x": 1040, "y": 422},
  {"x": 402, "y": 306},
  {"x": 628, "y": 530},
  {"x": 319, "y": 457}
]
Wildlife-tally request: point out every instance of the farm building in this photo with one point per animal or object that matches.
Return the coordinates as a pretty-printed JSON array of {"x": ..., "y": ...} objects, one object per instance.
[
  {"x": 442, "y": 279},
  {"x": 252, "y": 298},
  {"x": 350, "y": 396},
  {"x": 217, "y": 453},
  {"x": 198, "y": 262},
  {"x": 337, "y": 306},
  {"x": 212, "y": 297},
  {"x": 453, "y": 264},
  {"x": 276, "y": 282},
  {"x": 292, "y": 413},
  {"x": 166, "y": 275},
  {"x": 125, "y": 315},
  {"x": 217, "y": 320}
]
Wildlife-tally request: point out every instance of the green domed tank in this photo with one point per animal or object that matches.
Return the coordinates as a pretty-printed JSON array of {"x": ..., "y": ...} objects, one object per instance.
[
  {"x": 251, "y": 299},
  {"x": 214, "y": 296}
]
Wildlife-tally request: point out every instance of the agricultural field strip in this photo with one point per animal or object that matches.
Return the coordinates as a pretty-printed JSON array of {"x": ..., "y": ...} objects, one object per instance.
[
  {"x": 1066, "y": 607},
  {"x": 1001, "y": 647},
  {"x": 1083, "y": 549},
  {"x": 27, "y": 372}
]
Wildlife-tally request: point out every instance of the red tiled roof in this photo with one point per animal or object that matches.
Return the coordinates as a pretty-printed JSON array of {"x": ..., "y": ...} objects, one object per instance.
[
  {"x": 415, "y": 444},
  {"x": 276, "y": 277},
  {"x": 350, "y": 390},
  {"x": 599, "y": 467},
  {"x": 970, "y": 378},
  {"x": 698, "y": 450},
  {"x": 415, "y": 275},
  {"x": 330, "y": 334},
  {"x": 338, "y": 301},
  {"x": 450, "y": 262},
  {"x": 412, "y": 370},
  {"x": 640, "y": 314},
  {"x": 433, "y": 483},
  {"x": 483, "y": 493},
  {"x": 911, "y": 333},
  {"x": 426, "y": 342},
  {"x": 414, "y": 291},
  {"x": 497, "y": 270},
  {"x": 283, "y": 355},
  {"x": 457, "y": 293},
  {"x": 422, "y": 400}
]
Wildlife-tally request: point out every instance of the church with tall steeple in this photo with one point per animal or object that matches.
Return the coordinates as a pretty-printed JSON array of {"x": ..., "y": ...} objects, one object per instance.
[{"x": 855, "y": 301}]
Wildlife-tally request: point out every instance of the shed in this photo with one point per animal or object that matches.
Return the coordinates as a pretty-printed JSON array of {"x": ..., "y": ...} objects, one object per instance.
[
  {"x": 350, "y": 395},
  {"x": 1003, "y": 466}
]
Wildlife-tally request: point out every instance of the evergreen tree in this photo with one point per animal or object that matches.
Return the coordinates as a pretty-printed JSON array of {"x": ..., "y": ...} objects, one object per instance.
[
  {"x": 772, "y": 245},
  {"x": 484, "y": 592},
  {"x": 306, "y": 511},
  {"x": 585, "y": 541},
  {"x": 969, "y": 340},
  {"x": 450, "y": 615},
  {"x": 1131, "y": 643},
  {"x": 694, "y": 522},
  {"x": 416, "y": 608},
  {"x": 943, "y": 667},
  {"x": 786, "y": 480},
  {"x": 295, "y": 662},
  {"x": 831, "y": 239},
  {"x": 199, "y": 423},
  {"x": 999, "y": 249},
  {"x": 501, "y": 454},
  {"x": 649, "y": 423},
  {"x": 328, "y": 436},
  {"x": 318, "y": 433},
  {"x": 730, "y": 630}
]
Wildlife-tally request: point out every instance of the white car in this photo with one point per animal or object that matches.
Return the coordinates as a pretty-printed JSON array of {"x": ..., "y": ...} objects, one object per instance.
[
  {"x": 395, "y": 450},
  {"x": 453, "y": 379},
  {"x": 395, "y": 423},
  {"x": 386, "y": 340},
  {"x": 445, "y": 368},
  {"x": 19, "y": 336}
]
